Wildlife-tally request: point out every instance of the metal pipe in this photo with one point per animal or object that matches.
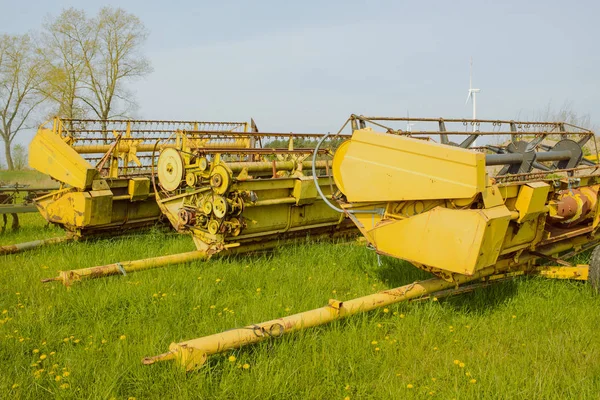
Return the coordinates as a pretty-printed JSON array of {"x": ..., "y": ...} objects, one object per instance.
[
  {"x": 125, "y": 267},
  {"x": 266, "y": 166},
  {"x": 517, "y": 158},
  {"x": 193, "y": 353},
  {"x": 16, "y": 248}
]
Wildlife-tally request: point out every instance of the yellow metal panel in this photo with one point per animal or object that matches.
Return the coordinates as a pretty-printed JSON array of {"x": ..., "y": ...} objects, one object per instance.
[
  {"x": 305, "y": 190},
  {"x": 492, "y": 197},
  {"x": 460, "y": 241},
  {"x": 49, "y": 154},
  {"x": 383, "y": 167},
  {"x": 531, "y": 200},
  {"x": 138, "y": 188}
]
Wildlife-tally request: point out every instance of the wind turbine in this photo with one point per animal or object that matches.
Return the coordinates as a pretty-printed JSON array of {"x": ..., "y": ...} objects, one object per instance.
[
  {"x": 408, "y": 124},
  {"x": 473, "y": 96}
]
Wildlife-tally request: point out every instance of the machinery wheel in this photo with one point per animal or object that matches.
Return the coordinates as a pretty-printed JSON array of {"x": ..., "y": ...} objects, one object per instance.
[{"x": 594, "y": 271}]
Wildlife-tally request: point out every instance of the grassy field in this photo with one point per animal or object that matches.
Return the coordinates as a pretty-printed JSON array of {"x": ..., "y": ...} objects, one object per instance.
[
  {"x": 526, "y": 339},
  {"x": 27, "y": 177}
]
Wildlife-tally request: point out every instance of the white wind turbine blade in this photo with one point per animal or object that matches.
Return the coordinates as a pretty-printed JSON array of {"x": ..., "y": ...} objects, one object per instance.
[{"x": 468, "y": 97}]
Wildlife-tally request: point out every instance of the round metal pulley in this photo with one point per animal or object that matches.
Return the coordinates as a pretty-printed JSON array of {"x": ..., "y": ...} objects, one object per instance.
[
  {"x": 220, "y": 206},
  {"x": 191, "y": 179},
  {"x": 186, "y": 217},
  {"x": 237, "y": 226},
  {"x": 220, "y": 179},
  {"x": 207, "y": 207},
  {"x": 202, "y": 163},
  {"x": 213, "y": 227},
  {"x": 170, "y": 169}
]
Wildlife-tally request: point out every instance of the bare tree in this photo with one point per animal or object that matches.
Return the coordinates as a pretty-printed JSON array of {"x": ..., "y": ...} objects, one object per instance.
[
  {"x": 64, "y": 62},
  {"x": 111, "y": 55},
  {"x": 20, "y": 76},
  {"x": 91, "y": 60}
]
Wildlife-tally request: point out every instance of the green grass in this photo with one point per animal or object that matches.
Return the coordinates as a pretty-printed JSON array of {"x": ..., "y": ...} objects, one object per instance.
[
  {"x": 525, "y": 339},
  {"x": 27, "y": 177}
]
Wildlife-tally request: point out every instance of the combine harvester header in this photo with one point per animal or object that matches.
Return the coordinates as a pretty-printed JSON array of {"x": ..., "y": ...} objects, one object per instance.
[
  {"x": 470, "y": 216},
  {"x": 104, "y": 170},
  {"x": 239, "y": 197}
]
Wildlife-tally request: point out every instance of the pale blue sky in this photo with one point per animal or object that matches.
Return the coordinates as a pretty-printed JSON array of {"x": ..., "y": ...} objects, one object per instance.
[{"x": 307, "y": 65}]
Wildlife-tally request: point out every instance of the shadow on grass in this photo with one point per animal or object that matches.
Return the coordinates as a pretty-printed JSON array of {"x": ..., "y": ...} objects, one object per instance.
[{"x": 398, "y": 273}]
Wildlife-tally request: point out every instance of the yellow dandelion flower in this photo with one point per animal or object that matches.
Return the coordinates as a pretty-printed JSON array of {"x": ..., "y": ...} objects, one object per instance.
[
  {"x": 43, "y": 357},
  {"x": 435, "y": 348},
  {"x": 467, "y": 374},
  {"x": 57, "y": 378},
  {"x": 409, "y": 386},
  {"x": 213, "y": 307},
  {"x": 4, "y": 311},
  {"x": 379, "y": 325},
  {"x": 401, "y": 315},
  {"x": 387, "y": 338},
  {"x": 52, "y": 353},
  {"x": 456, "y": 362},
  {"x": 15, "y": 385},
  {"x": 473, "y": 381},
  {"x": 71, "y": 337},
  {"x": 514, "y": 316},
  {"x": 22, "y": 340},
  {"x": 386, "y": 310},
  {"x": 64, "y": 386},
  {"x": 66, "y": 373},
  {"x": 334, "y": 291},
  {"x": 232, "y": 358},
  {"x": 377, "y": 349},
  {"x": 433, "y": 379},
  {"x": 218, "y": 280},
  {"x": 44, "y": 343},
  {"x": 103, "y": 341},
  {"x": 76, "y": 341},
  {"x": 131, "y": 398},
  {"x": 435, "y": 299},
  {"x": 347, "y": 398},
  {"x": 431, "y": 393},
  {"x": 258, "y": 289},
  {"x": 395, "y": 313},
  {"x": 164, "y": 295},
  {"x": 155, "y": 295},
  {"x": 35, "y": 351},
  {"x": 66, "y": 339},
  {"x": 374, "y": 342},
  {"x": 122, "y": 337},
  {"x": 347, "y": 387},
  {"x": 462, "y": 365},
  {"x": 287, "y": 309},
  {"x": 246, "y": 366}
]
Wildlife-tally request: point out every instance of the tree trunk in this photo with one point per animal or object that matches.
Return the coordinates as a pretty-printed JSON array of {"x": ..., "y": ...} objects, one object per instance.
[{"x": 8, "y": 155}]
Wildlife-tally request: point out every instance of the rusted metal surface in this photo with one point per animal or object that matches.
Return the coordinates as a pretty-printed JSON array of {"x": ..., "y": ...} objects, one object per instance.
[{"x": 16, "y": 248}]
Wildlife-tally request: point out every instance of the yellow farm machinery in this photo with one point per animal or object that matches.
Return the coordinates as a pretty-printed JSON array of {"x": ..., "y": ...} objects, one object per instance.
[
  {"x": 242, "y": 194},
  {"x": 523, "y": 203},
  {"x": 104, "y": 170}
]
